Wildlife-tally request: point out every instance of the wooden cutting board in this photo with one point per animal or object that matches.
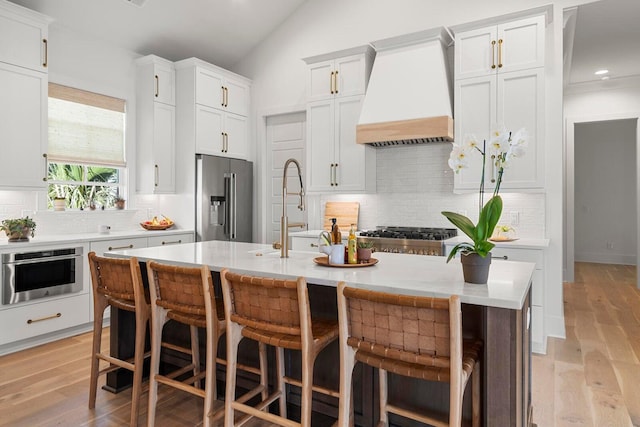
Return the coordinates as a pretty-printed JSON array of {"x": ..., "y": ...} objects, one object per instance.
[{"x": 346, "y": 214}]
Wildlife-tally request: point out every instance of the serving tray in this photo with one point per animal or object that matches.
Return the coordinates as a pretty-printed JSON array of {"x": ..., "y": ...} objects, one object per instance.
[{"x": 323, "y": 260}]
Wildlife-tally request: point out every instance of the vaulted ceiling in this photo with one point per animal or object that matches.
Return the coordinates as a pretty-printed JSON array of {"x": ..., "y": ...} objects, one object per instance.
[{"x": 605, "y": 33}]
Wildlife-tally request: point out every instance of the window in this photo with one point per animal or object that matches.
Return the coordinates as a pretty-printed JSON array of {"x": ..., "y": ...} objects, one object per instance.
[{"x": 86, "y": 147}]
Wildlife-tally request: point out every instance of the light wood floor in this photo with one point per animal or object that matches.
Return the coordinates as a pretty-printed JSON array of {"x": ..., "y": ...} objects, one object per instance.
[
  {"x": 590, "y": 379},
  {"x": 593, "y": 377}
]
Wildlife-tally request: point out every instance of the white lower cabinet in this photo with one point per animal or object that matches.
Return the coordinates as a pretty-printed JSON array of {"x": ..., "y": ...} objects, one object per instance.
[
  {"x": 536, "y": 256},
  {"x": 309, "y": 243},
  {"x": 31, "y": 320},
  {"x": 102, "y": 246},
  {"x": 173, "y": 239}
]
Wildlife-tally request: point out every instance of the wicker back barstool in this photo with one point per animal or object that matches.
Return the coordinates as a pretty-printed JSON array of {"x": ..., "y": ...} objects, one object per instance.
[
  {"x": 274, "y": 312},
  {"x": 118, "y": 283},
  {"x": 185, "y": 295},
  {"x": 419, "y": 337}
]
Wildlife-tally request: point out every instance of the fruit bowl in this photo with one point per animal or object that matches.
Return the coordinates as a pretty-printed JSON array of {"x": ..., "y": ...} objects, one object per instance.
[{"x": 156, "y": 227}]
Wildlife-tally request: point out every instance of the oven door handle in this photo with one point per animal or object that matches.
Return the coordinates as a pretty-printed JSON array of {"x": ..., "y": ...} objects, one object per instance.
[{"x": 41, "y": 260}]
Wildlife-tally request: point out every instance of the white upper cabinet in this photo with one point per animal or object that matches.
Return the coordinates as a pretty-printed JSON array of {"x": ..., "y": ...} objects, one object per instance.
[
  {"x": 334, "y": 161},
  {"x": 23, "y": 99},
  {"x": 506, "y": 47},
  {"x": 23, "y": 37},
  {"x": 213, "y": 105},
  {"x": 155, "y": 127},
  {"x": 225, "y": 93},
  {"x": 347, "y": 75},
  {"x": 501, "y": 83}
]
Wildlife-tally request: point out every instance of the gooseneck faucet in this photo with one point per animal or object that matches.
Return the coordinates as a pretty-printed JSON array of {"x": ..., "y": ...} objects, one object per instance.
[{"x": 284, "y": 221}]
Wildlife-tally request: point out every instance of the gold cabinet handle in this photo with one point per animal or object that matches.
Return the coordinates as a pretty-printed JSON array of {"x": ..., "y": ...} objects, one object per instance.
[
  {"x": 222, "y": 136},
  {"x": 115, "y": 248},
  {"x": 157, "y": 85},
  {"x": 46, "y": 53},
  {"x": 335, "y": 78},
  {"x": 331, "y": 169},
  {"x": 173, "y": 242},
  {"x": 332, "y": 82},
  {"x": 40, "y": 319},
  {"x": 222, "y": 93},
  {"x": 493, "y": 54},
  {"x": 313, "y": 245},
  {"x": 226, "y": 142},
  {"x": 226, "y": 96},
  {"x": 335, "y": 175},
  {"x": 46, "y": 167},
  {"x": 500, "y": 53},
  {"x": 156, "y": 175}
]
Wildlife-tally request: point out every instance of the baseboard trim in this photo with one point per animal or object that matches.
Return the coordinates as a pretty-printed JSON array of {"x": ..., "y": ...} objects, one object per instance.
[{"x": 555, "y": 326}]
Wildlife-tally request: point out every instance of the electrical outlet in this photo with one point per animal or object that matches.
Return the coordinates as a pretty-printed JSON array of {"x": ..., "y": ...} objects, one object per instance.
[{"x": 514, "y": 217}]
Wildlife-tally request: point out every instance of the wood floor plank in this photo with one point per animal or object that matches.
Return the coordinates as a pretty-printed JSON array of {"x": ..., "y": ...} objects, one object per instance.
[
  {"x": 570, "y": 351},
  {"x": 598, "y": 370},
  {"x": 542, "y": 384},
  {"x": 629, "y": 379},
  {"x": 572, "y": 401},
  {"x": 609, "y": 409},
  {"x": 618, "y": 344}
]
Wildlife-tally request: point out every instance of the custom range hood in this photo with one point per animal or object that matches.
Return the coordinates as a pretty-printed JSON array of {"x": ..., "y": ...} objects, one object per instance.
[{"x": 408, "y": 100}]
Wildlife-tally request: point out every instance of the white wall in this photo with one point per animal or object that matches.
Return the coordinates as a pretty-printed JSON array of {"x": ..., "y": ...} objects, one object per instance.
[{"x": 605, "y": 182}]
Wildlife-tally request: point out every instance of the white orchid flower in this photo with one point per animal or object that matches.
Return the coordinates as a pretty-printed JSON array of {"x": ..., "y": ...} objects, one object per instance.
[
  {"x": 499, "y": 141},
  {"x": 470, "y": 141},
  {"x": 457, "y": 165},
  {"x": 520, "y": 138}
]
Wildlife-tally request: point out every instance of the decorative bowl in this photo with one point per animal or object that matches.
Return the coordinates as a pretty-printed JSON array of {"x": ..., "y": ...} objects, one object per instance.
[{"x": 155, "y": 227}]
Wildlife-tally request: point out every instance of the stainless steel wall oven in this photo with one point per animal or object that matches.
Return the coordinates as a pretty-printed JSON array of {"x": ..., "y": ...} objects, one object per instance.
[{"x": 31, "y": 275}]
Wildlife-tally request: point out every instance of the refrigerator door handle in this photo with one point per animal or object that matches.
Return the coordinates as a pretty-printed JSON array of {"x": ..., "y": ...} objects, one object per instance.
[
  {"x": 227, "y": 204},
  {"x": 233, "y": 207}
]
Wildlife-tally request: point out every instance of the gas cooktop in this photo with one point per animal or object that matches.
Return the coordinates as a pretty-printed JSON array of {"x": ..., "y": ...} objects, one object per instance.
[
  {"x": 415, "y": 233},
  {"x": 408, "y": 240}
]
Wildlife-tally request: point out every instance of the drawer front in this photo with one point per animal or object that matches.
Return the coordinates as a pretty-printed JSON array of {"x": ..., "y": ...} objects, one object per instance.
[
  {"x": 172, "y": 239},
  {"x": 304, "y": 243},
  {"x": 102, "y": 246},
  {"x": 36, "y": 319},
  {"x": 525, "y": 255}
]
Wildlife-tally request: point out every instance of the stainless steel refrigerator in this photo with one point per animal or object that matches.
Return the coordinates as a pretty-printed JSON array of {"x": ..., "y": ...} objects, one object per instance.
[{"x": 224, "y": 199}]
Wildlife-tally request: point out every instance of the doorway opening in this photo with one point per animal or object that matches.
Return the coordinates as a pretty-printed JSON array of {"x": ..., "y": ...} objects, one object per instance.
[{"x": 602, "y": 192}]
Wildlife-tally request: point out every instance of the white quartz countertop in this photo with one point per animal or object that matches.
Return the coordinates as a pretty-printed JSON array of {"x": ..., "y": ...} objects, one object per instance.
[
  {"x": 523, "y": 243},
  {"x": 49, "y": 239},
  {"x": 509, "y": 281}
]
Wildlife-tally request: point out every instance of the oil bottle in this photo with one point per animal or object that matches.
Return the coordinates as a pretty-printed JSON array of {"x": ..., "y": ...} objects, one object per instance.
[
  {"x": 336, "y": 236},
  {"x": 352, "y": 256}
]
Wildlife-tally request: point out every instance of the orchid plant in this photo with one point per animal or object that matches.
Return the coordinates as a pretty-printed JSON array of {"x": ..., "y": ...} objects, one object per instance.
[{"x": 504, "y": 146}]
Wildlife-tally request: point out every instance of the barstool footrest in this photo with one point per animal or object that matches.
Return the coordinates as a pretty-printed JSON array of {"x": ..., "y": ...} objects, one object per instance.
[
  {"x": 246, "y": 368},
  {"x": 258, "y": 411},
  {"x": 426, "y": 419},
  {"x": 183, "y": 385},
  {"x": 316, "y": 388}
]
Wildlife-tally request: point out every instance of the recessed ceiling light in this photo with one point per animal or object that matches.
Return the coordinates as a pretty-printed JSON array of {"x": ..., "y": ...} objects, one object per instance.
[
  {"x": 605, "y": 78},
  {"x": 601, "y": 72}
]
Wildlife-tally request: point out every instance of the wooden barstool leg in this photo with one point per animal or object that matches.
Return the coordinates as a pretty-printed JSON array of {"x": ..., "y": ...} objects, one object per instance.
[
  {"x": 195, "y": 353},
  {"x": 99, "y": 306},
  {"x": 307, "y": 389},
  {"x": 141, "y": 328},
  {"x": 345, "y": 406},
  {"x": 281, "y": 386},
  {"x": 234, "y": 335},
  {"x": 384, "y": 396},
  {"x": 264, "y": 381},
  {"x": 158, "y": 319},
  {"x": 475, "y": 395}
]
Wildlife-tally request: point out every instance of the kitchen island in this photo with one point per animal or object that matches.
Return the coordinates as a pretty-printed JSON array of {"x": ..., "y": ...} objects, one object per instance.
[{"x": 498, "y": 313}]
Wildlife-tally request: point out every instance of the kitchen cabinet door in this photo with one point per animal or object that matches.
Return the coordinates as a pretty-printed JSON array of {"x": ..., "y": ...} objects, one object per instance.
[
  {"x": 320, "y": 145},
  {"x": 23, "y": 37},
  {"x": 335, "y": 162},
  {"x": 221, "y": 92},
  {"x": 209, "y": 131},
  {"x": 23, "y": 127},
  {"x": 516, "y": 100},
  {"x": 346, "y": 73},
  {"x": 236, "y": 136},
  {"x": 164, "y": 148},
  {"x": 171, "y": 239},
  {"x": 501, "y": 48},
  {"x": 165, "y": 88}
]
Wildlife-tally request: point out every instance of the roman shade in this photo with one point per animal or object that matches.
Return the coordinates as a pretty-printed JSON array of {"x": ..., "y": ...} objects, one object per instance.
[{"x": 85, "y": 127}]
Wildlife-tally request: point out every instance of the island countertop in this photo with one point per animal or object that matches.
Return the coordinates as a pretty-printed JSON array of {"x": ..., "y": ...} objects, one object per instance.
[{"x": 508, "y": 285}]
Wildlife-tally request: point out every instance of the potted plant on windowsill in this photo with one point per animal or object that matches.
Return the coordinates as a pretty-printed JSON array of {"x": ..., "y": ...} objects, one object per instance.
[
  {"x": 19, "y": 229},
  {"x": 119, "y": 203},
  {"x": 476, "y": 256}
]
